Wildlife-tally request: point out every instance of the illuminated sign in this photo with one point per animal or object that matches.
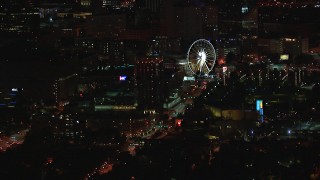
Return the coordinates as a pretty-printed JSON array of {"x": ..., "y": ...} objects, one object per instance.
[
  {"x": 178, "y": 122},
  {"x": 122, "y": 78},
  {"x": 224, "y": 69},
  {"x": 259, "y": 108},
  {"x": 259, "y": 105},
  {"x": 284, "y": 57},
  {"x": 189, "y": 78}
]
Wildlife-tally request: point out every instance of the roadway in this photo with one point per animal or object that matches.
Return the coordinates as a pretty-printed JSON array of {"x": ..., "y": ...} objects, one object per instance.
[{"x": 7, "y": 142}]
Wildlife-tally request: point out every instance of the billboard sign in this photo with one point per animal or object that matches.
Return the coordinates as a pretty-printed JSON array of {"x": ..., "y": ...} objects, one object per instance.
[
  {"x": 224, "y": 69},
  {"x": 259, "y": 108},
  {"x": 284, "y": 57},
  {"x": 189, "y": 78},
  {"x": 122, "y": 78}
]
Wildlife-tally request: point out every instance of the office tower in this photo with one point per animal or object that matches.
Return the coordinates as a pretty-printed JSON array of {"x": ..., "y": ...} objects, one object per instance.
[{"x": 149, "y": 82}]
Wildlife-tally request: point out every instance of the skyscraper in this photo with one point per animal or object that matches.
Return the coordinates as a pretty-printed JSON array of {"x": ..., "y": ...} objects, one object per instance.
[{"x": 149, "y": 82}]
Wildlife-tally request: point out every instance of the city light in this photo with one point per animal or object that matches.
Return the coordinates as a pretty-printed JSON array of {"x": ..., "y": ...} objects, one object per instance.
[{"x": 160, "y": 89}]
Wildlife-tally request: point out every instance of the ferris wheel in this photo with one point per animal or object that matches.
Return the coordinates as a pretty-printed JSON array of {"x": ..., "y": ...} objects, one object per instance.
[{"x": 201, "y": 57}]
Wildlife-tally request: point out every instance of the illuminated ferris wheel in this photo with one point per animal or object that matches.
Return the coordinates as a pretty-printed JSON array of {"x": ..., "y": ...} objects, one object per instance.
[{"x": 201, "y": 57}]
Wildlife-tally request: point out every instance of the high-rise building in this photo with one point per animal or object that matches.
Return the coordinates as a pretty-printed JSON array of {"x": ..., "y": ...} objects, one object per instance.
[
  {"x": 149, "y": 82},
  {"x": 109, "y": 26},
  {"x": 230, "y": 21},
  {"x": 19, "y": 18},
  {"x": 112, "y": 50},
  {"x": 101, "y": 6},
  {"x": 297, "y": 18},
  {"x": 189, "y": 21},
  {"x": 153, "y": 5},
  {"x": 291, "y": 46},
  {"x": 68, "y": 127},
  {"x": 237, "y": 23}
]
